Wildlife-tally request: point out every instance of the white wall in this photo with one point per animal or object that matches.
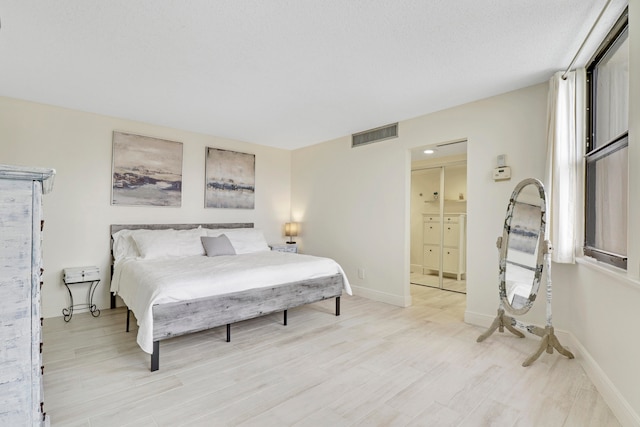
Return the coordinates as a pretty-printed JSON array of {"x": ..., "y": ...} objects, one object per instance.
[
  {"x": 599, "y": 305},
  {"x": 78, "y": 211},
  {"x": 600, "y": 309},
  {"x": 354, "y": 203},
  {"x": 354, "y": 206}
]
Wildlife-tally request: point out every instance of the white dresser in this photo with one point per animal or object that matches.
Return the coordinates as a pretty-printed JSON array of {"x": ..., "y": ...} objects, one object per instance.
[
  {"x": 446, "y": 241},
  {"x": 21, "y": 396}
]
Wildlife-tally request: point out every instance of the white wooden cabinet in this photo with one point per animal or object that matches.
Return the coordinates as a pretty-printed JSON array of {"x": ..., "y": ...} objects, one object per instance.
[
  {"x": 431, "y": 241},
  {"x": 444, "y": 242},
  {"x": 21, "y": 395}
]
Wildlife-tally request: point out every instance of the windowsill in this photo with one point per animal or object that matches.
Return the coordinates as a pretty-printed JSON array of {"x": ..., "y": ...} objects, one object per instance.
[{"x": 616, "y": 273}]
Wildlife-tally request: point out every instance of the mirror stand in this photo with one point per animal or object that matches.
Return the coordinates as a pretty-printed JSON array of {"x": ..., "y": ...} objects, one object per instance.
[
  {"x": 500, "y": 322},
  {"x": 549, "y": 338}
]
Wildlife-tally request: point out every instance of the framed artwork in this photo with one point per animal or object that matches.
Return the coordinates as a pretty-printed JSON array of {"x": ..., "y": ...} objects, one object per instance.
[
  {"x": 230, "y": 179},
  {"x": 146, "y": 171}
]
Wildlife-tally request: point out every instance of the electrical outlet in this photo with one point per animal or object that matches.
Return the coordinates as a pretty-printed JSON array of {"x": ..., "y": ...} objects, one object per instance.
[{"x": 361, "y": 272}]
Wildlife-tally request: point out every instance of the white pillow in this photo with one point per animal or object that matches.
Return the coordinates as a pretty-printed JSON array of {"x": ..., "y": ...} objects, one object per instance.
[
  {"x": 243, "y": 240},
  {"x": 154, "y": 244},
  {"x": 124, "y": 246},
  {"x": 215, "y": 232}
]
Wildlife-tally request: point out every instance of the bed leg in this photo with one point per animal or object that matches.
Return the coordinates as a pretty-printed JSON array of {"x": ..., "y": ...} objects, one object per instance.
[
  {"x": 128, "y": 316},
  {"x": 337, "y": 306},
  {"x": 113, "y": 300},
  {"x": 228, "y": 332},
  {"x": 285, "y": 318},
  {"x": 155, "y": 356}
]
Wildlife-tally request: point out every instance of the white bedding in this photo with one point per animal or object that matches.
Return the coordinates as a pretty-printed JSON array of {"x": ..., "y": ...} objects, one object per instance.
[{"x": 143, "y": 283}]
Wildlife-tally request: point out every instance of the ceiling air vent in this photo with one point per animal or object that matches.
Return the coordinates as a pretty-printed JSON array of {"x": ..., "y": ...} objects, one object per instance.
[{"x": 374, "y": 135}]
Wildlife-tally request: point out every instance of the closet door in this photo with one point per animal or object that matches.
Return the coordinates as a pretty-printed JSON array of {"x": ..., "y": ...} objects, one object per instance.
[
  {"x": 426, "y": 232},
  {"x": 453, "y": 230},
  {"x": 438, "y": 212}
]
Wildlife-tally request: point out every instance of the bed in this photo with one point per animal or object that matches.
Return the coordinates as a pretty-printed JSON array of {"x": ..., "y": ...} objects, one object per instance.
[{"x": 167, "y": 275}]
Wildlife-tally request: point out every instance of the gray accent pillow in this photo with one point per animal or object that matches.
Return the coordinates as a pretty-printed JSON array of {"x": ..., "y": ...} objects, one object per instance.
[{"x": 216, "y": 246}]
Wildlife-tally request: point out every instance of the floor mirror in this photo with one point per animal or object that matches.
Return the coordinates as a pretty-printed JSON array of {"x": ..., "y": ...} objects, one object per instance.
[{"x": 524, "y": 261}]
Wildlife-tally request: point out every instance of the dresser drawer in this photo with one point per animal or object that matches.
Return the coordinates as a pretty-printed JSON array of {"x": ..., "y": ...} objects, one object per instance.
[
  {"x": 451, "y": 234},
  {"x": 431, "y": 257},
  {"x": 450, "y": 260},
  {"x": 431, "y": 233}
]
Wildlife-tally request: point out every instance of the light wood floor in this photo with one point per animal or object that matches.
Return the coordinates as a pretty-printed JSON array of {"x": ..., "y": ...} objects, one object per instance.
[{"x": 375, "y": 365}]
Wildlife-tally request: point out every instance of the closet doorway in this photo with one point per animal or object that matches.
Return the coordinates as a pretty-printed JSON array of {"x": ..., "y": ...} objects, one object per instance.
[{"x": 439, "y": 219}]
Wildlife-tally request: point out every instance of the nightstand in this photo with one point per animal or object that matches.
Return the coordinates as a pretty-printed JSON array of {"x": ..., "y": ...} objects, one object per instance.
[
  {"x": 286, "y": 247},
  {"x": 72, "y": 276}
]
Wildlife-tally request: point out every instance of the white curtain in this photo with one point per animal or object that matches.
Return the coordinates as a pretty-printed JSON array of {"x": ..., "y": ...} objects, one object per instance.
[{"x": 565, "y": 121}]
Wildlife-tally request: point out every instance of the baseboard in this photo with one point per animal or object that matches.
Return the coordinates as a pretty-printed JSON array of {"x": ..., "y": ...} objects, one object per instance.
[
  {"x": 611, "y": 395},
  {"x": 399, "y": 300},
  {"x": 478, "y": 319},
  {"x": 609, "y": 392}
]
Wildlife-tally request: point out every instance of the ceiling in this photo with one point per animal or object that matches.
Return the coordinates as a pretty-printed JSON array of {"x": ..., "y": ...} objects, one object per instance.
[
  {"x": 440, "y": 150},
  {"x": 284, "y": 73}
]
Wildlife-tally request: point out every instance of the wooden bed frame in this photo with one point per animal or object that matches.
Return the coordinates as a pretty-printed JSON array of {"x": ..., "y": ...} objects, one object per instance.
[{"x": 179, "y": 318}]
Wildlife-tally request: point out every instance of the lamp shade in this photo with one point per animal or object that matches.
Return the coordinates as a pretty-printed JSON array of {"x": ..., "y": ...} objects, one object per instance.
[{"x": 291, "y": 229}]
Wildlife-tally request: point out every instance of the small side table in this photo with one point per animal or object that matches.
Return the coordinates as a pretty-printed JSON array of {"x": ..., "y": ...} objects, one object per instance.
[
  {"x": 287, "y": 247},
  {"x": 77, "y": 275}
]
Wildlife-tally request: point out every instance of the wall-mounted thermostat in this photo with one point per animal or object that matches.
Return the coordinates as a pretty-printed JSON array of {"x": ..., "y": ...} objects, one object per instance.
[{"x": 502, "y": 173}]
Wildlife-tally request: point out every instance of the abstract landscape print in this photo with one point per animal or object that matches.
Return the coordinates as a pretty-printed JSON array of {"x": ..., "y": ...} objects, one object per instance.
[
  {"x": 230, "y": 179},
  {"x": 146, "y": 171}
]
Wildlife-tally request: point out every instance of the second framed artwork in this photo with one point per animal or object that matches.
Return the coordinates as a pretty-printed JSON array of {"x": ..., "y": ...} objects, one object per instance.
[{"x": 230, "y": 179}]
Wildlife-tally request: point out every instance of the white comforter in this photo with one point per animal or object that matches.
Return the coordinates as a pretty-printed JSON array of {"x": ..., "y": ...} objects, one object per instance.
[{"x": 143, "y": 283}]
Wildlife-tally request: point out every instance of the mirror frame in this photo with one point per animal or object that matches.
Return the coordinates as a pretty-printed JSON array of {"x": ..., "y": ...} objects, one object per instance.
[{"x": 504, "y": 247}]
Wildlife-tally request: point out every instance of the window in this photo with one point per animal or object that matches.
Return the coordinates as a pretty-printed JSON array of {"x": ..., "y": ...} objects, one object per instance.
[{"x": 607, "y": 180}]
